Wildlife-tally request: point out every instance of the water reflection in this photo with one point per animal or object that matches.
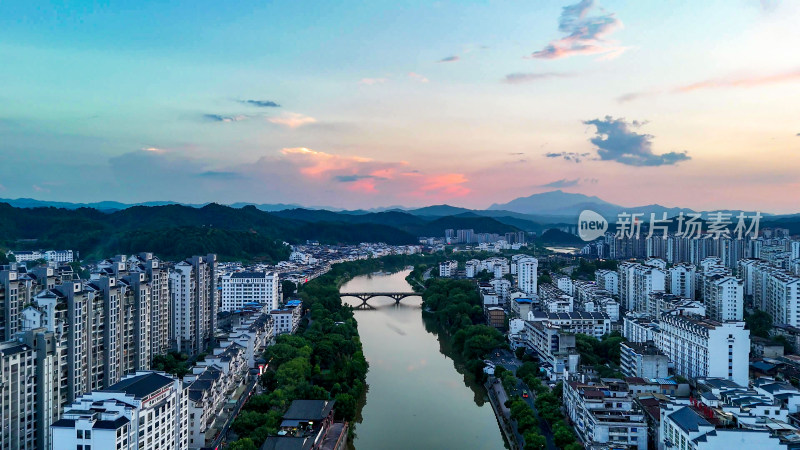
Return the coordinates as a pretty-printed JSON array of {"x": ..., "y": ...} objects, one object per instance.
[{"x": 416, "y": 397}]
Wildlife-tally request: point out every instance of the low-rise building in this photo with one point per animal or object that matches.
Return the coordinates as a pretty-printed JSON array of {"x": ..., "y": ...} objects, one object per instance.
[
  {"x": 643, "y": 360},
  {"x": 684, "y": 427},
  {"x": 448, "y": 268},
  {"x": 287, "y": 319},
  {"x": 605, "y": 414},
  {"x": 496, "y": 317},
  {"x": 555, "y": 348},
  {"x": 594, "y": 324},
  {"x": 638, "y": 327},
  {"x": 554, "y": 299},
  {"x": 521, "y": 306},
  {"x": 309, "y": 425}
]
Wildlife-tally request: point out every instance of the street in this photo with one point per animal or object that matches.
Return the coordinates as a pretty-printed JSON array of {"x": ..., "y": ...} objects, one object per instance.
[{"x": 506, "y": 359}]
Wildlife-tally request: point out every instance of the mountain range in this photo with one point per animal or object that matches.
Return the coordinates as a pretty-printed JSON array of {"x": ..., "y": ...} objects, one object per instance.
[
  {"x": 245, "y": 231},
  {"x": 546, "y": 208}
]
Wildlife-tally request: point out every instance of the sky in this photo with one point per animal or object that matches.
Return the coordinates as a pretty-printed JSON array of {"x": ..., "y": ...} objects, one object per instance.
[{"x": 361, "y": 104}]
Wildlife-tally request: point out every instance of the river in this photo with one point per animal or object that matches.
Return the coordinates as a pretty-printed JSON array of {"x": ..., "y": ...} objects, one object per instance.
[{"x": 416, "y": 397}]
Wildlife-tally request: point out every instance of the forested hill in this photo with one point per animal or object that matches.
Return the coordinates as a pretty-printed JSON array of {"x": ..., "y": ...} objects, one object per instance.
[{"x": 174, "y": 231}]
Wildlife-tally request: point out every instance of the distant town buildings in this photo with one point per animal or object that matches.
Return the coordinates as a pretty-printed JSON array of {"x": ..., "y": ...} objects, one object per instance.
[{"x": 54, "y": 256}]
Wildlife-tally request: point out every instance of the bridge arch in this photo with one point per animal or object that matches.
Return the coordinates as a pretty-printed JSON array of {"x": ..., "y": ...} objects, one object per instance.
[{"x": 365, "y": 296}]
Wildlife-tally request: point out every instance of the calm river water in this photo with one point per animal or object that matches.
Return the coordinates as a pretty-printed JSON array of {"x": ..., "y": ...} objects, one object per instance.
[{"x": 416, "y": 399}]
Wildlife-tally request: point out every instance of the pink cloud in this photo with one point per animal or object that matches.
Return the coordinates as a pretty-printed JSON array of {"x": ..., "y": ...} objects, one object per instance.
[
  {"x": 443, "y": 185},
  {"x": 366, "y": 185},
  {"x": 368, "y": 176},
  {"x": 742, "y": 82},
  {"x": 292, "y": 120},
  {"x": 314, "y": 163},
  {"x": 730, "y": 82}
]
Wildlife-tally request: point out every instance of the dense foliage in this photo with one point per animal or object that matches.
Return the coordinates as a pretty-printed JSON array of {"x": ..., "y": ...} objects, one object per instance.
[
  {"x": 603, "y": 354},
  {"x": 176, "y": 243},
  {"x": 549, "y": 406},
  {"x": 759, "y": 323},
  {"x": 456, "y": 306},
  {"x": 176, "y": 230},
  {"x": 586, "y": 269},
  {"x": 175, "y": 363},
  {"x": 555, "y": 236},
  {"x": 324, "y": 360},
  {"x": 96, "y": 233}
]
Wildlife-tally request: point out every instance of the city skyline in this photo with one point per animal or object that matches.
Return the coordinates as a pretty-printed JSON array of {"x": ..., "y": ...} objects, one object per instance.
[{"x": 361, "y": 106}]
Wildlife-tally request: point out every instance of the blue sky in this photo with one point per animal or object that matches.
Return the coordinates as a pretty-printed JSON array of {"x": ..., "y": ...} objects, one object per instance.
[{"x": 412, "y": 103}]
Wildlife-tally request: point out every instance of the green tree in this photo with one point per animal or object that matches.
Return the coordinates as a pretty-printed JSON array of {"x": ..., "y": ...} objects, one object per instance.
[
  {"x": 288, "y": 288},
  {"x": 484, "y": 276},
  {"x": 544, "y": 278},
  {"x": 528, "y": 369},
  {"x": 243, "y": 444},
  {"x": 5, "y": 259},
  {"x": 534, "y": 441},
  {"x": 562, "y": 436},
  {"x": 499, "y": 371},
  {"x": 346, "y": 407},
  {"x": 527, "y": 422},
  {"x": 759, "y": 323}
]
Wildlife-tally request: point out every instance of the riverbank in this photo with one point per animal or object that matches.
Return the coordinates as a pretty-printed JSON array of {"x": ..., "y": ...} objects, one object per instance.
[
  {"x": 497, "y": 397},
  {"x": 323, "y": 360},
  {"x": 418, "y": 395}
]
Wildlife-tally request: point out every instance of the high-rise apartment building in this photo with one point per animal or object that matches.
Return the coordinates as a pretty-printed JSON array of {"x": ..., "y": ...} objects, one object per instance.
[
  {"x": 701, "y": 347},
  {"x": 681, "y": 280},
  {"x": 144, "y": 411},
  {"x": 17, "y": 397},
  {"x": 637, "y": 282},
  {"x": 527, "y": 274},
  {"x": 724, "y": 297},
  {"x": 194, "y": 303}
]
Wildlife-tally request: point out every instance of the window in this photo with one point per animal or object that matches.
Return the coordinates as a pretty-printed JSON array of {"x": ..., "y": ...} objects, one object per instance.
[{"x": 80, "y": 435}]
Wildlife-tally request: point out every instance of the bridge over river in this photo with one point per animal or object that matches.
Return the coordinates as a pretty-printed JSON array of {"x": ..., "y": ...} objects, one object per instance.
[{"x": 365, "y": 296}]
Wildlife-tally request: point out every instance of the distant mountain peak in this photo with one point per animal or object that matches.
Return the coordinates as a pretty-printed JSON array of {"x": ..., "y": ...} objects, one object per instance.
[{"x": 555, "y": 202}]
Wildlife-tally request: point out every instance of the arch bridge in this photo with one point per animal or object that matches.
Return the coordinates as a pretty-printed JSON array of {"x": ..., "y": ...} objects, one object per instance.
[{"x": 365, "y": 296}]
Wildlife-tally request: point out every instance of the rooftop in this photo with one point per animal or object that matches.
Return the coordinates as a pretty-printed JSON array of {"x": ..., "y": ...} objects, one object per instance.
[
  {"x": 688, "y": 420},
  {"x": 309, "y": 409},
  {"x": 140, "y": 386},
  {"x": 287, "y": 443}
]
